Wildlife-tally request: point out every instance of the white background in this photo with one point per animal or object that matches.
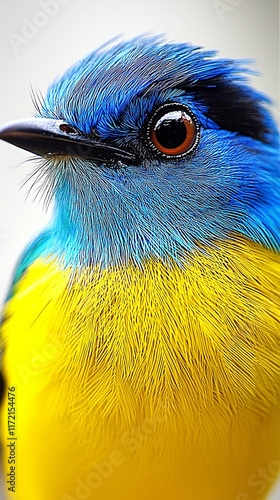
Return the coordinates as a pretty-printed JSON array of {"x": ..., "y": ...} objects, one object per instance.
[{"x": 36, "y": 46}]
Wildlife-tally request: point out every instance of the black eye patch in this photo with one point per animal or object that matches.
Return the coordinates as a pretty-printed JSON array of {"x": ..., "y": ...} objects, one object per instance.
[{"x": 232, "y": 107}]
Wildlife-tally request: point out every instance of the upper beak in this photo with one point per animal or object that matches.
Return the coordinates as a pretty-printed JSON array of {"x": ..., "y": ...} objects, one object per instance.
[{"x": 48, "y": 138}]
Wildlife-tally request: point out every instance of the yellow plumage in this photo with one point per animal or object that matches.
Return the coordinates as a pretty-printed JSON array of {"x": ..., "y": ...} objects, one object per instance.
[{"x": 154, "y": 382}]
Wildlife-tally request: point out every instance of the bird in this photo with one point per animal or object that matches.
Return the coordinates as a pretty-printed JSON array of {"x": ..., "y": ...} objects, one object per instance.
[{"x": 141, "y": 335}]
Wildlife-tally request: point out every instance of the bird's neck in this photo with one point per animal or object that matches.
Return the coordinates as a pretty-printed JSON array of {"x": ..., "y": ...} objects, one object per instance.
[{"x": 98, "y": 234}]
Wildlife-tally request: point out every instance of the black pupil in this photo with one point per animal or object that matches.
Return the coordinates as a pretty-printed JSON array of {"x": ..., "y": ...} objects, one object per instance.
[{"x": 171, "y": 133}]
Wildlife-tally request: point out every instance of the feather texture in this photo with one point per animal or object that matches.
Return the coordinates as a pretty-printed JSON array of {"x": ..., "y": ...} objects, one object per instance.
[
  {"x": 125, "y": 348},
  {"x": 142, "y": 330}
]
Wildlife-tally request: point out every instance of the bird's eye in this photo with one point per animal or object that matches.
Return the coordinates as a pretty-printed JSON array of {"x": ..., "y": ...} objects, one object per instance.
[{"x": 173, "y": 130}]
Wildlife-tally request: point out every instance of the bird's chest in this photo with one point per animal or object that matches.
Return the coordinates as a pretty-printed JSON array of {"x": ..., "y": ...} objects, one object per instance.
[{"x": 141, "y": 373}]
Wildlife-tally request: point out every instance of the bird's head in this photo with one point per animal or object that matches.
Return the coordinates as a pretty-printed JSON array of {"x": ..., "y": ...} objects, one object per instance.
[{"x": 154, "y": 150}]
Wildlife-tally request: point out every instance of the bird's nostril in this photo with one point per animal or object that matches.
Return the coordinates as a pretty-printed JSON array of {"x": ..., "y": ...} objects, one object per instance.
[{"x": 64, "y": 127}]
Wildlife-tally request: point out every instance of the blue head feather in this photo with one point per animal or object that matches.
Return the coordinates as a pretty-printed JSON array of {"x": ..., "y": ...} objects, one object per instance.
[{"x": 162, "y": 208}]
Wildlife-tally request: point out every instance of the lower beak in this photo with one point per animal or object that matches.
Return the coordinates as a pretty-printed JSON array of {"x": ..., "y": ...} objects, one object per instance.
[{"x": 50, "y": 138}]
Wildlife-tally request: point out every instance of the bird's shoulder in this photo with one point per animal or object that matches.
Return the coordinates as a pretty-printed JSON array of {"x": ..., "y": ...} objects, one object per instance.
[{"x": 36, "y": 248}]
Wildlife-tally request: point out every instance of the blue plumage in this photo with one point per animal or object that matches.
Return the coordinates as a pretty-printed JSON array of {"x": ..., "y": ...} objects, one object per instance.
[{"x": 161, "y": 207}]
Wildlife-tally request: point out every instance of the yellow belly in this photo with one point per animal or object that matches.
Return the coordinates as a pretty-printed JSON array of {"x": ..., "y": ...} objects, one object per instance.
[{"x": 156, "y": 384}]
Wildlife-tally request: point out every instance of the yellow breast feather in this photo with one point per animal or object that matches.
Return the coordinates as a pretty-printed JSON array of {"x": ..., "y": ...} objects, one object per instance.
[{"x": 152, "y": 378}]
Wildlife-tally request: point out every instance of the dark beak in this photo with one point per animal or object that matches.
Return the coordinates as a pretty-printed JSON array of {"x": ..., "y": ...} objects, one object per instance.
[{"x": 51, "y": 138}]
